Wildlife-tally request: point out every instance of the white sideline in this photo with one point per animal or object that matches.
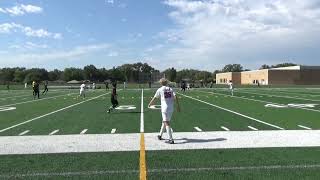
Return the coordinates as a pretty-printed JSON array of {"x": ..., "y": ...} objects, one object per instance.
[
  {"x": 53, "y": 112},
  {"x": 228, "y": 110},
  {"x": 183, "y": 141}
]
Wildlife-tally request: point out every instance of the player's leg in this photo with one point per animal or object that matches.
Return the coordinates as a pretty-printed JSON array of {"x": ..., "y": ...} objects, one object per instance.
[
  {"x": 114, "y": 104},
  {"x": 166, "y": 121},
  {"x": 162, "y": 129}
]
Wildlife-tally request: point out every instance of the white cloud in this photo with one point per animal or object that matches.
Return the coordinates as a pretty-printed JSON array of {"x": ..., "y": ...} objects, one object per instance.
[
  {"x": 28, "y": 46},
  {"x": 113, "y": 54},
  {"x": 73, "y": 54},
  {"x": 28, "y": 31},
  {"x": 21, "y": 9},
  {"x": 216, "y": 32}
]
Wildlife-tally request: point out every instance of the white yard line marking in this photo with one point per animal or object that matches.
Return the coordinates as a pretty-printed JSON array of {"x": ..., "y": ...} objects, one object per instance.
[
  {"x": 304, "y": 127},
  {"x": 222, "y": 127},
  {"x": 113, "y": 131},
  {"x": 142, "y": 114},
  {"x": 198, "y": 129},
  {"x": 24, "y": 132},
  {"x": 289, "y": 97},
  {"x": 31, "y": 101},
  {"x": 54, "y": 132},
  {"x": 48, "y": 114},
  {"x": 262, "y": 101},
  {"x": 84, "y": 131},
  {"x": 253, "y": 128},
  {"x": 239, "y": 114}
]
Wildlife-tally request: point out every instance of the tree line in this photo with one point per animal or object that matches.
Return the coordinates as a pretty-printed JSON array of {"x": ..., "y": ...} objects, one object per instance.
[{"x": 137, "y": 72}]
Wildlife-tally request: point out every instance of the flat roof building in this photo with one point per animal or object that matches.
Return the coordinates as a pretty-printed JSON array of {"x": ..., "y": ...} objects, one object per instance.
[{"x": 293, "y": 75}]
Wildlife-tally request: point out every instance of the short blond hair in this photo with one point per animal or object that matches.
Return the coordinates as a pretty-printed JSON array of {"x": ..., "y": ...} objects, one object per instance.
[{"x": 163, "y": 81}]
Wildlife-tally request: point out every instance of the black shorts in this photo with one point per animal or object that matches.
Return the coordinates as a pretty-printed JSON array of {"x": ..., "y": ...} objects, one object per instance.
[{"x": 114, "y": 101}]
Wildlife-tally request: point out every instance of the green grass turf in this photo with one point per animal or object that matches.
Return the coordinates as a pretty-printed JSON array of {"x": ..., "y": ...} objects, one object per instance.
[
  {"x": 287, "y": 118},
  {"x": 234, "y": 158},
  {"x": 71, "y": 162},
  {"x": 90, "y": 115}
]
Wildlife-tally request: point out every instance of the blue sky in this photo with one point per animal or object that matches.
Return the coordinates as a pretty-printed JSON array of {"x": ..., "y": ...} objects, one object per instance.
[{"x": 201, "y": 34}]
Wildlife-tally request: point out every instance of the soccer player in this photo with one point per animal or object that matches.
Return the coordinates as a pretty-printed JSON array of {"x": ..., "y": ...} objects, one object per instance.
[
  {"x": 93, "y": 85},
  {"x": 183, "y": 86},
  {"x": 82, "y": 90},
  {"x": 167, "y": 96},
  {"x": 114, "y": 97},
  {"x": 231, "y": 87},
  {"x": 36, "y": 91},
  {"x": 45, "y": 88},
  {"x": 107, "y": 86},
  {"x": 33, "y": 85}
]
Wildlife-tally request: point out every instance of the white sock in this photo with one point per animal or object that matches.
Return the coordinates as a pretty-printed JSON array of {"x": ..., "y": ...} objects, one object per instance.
[
  {"x": 162, "y": 129},
  {"x": 169, "y": 132}
]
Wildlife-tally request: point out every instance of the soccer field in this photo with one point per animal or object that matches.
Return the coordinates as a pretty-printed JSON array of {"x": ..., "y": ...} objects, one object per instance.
[{"x": 259, "y": 133}]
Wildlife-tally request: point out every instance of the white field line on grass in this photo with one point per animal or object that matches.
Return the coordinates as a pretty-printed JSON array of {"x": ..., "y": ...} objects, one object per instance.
[
  {"x": 239, "y": 114},
  {"x": 253, "y": 128},
  {"x": 305, "y": 127},
  {"x": 198, "y": 129},
  {"x": 53, "y": 112},
  {"x": 289, "y": 97},
  {"x": 262, "y": 101},
  {"x": 113, "y": 131},
  {"x": 289, "y": 92},
  {"x": 224, "y": 128},
  {"x": 84, "y": 131},
  {"x": 54, "y": 132},
  {"x": 24, "y": 132},
  {"x": 142, "y": 114},
  {"x": 164, "y": 170},
  {"x": 31, "y": 101}
]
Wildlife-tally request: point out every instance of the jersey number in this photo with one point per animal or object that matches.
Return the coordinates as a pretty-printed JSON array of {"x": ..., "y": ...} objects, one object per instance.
[{"x": 167, "y": 95}]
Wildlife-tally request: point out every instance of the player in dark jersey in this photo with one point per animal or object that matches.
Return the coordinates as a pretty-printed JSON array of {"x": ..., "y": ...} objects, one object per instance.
[
  {"x": 114, "y": 99},
  {"x": 107, "y": 85},
  {"x": 36, "y": 91},
  {"x": 45, "y": 88},
  {"x": 183, "y": 86}
]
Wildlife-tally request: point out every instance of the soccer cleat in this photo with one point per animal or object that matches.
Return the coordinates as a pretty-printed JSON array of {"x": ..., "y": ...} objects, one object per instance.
[
  {"x": 109, "y": 111},
  {"x": 171, "y": 141},
  {"x": 159, "y": 137}
]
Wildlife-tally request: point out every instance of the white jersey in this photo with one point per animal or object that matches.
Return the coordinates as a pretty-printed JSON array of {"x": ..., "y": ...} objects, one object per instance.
[
  {"x": 167, "y": 98},
  {"x": 230, "y": 85},
  {"x": 82, "y": 87}
]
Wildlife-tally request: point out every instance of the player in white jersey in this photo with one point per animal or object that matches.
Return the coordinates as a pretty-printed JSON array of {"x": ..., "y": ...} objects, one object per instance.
[
  {"x": 82, "y": 90},
  {"x": 231, "y": 87},
  {"x": 167, "y": 96}
]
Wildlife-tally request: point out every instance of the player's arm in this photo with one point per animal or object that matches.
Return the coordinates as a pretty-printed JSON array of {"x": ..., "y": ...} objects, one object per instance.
[
  {"x": 177, "y": 101},
  {"x": 152, "y": 101},
  {"x": 157, "y": 95}
]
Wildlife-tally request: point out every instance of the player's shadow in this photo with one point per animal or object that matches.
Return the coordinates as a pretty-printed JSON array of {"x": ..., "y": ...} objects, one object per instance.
[{"x": 188, "y": 140}]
